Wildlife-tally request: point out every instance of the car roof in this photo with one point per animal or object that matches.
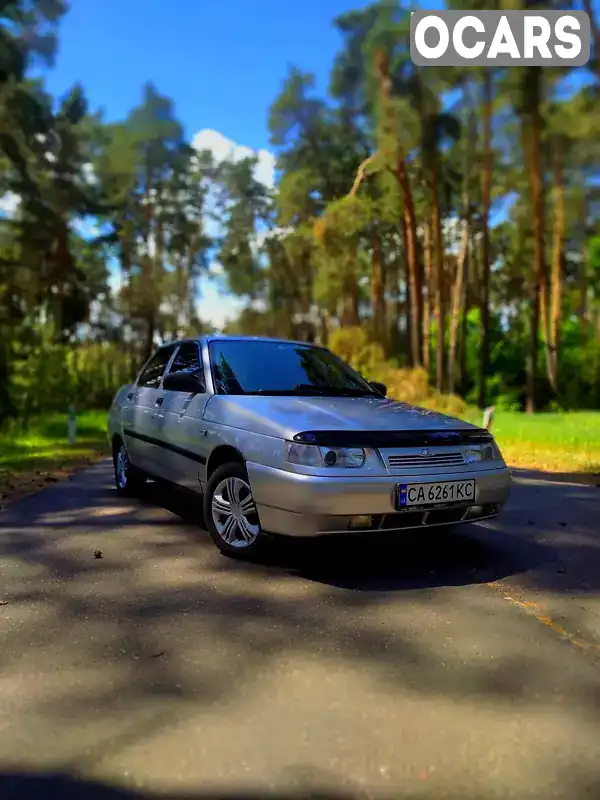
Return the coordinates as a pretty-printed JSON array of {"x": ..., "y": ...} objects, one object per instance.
[{"x": 216, "y": 337}]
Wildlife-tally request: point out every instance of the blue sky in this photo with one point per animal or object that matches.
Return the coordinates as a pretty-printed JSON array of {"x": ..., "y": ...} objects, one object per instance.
[{"x": 221, "y": 61}]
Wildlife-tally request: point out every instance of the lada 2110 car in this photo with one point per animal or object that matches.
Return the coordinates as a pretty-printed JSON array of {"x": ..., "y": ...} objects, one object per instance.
[{"x": 283, "y": 437}]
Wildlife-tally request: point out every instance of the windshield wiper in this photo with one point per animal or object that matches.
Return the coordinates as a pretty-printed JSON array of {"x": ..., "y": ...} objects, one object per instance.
[{"x": 320, "y": 391}]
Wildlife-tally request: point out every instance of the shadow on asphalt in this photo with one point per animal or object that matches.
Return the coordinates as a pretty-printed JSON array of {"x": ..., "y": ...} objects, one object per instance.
[
  {"x": 25, "y": 786},
  {"x": 60, "y": 786},
  {"x": 378, "y": 562},
  {"x": 170, "y": 625},
  {"x": 514, "y": 544}
]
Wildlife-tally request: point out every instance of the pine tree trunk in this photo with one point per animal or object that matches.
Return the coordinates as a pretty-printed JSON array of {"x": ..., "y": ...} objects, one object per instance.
[
  {"x": 148, "y": 287},
  {"x": 405, "y": 306},
  {"x": 458, "y": 293},
  {"x": 584, "y": 314},
  {"x": 392, "y": 278},
  {"x": 378, "y": 293},
  {"x": 438, "y": 261},
  {"x": 150, "y": 334},
  {"x": 457, "y": 302},
  {"x": 465, "y": 303},
  {"x": 557, "y": 266},
  {"x": 486, "y": 187},
  {"x": 406, "y": 340},
  {"x": 538, "y": 294},
  {"x": 427, "y": 295},
  {"x": 350, "y": 314},
  {"x": 389, "y": 124},
  {"x": 6, "y": 405},
  {"x": 412, "y": 263},
  {"x": 323, "y": 331}
]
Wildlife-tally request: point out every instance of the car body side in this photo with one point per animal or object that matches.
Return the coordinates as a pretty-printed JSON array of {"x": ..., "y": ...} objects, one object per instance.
[{"x": 189, "y": 435}]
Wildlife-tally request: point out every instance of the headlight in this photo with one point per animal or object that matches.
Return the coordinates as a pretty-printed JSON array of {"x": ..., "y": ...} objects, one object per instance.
[
  {"x": 309, "y": 455},
  {"x": 482, "y": 452}
]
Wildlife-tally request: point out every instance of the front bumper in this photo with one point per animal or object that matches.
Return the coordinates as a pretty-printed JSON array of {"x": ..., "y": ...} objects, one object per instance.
[{"x": 307, "y": 505}]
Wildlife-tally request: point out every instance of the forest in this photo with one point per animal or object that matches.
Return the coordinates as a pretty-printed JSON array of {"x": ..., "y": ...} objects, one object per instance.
[{"x": 438, "y": 227}]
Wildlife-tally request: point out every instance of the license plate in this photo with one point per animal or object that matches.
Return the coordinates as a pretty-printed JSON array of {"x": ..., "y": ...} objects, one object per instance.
[{"x": 417, "y": 495}]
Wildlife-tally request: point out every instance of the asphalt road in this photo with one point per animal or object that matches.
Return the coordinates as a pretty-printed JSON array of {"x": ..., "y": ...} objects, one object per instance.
[{"x": 463, "y": 666}]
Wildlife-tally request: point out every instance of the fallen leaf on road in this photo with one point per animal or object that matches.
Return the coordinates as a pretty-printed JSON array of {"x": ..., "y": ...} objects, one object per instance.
[
  {"x": 3, "y": 602},
  {"x": 97, "y": 553}
]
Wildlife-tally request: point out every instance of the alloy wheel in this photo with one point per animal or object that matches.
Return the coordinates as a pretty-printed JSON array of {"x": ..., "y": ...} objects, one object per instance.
[{"x": 234, "y": 513}]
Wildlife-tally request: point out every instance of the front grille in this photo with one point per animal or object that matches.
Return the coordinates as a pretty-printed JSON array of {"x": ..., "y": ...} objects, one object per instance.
[{"x": 416, "y": 461}]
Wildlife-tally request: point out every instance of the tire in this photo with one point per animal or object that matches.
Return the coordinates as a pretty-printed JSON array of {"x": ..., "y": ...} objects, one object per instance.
[
  {"x": 236, "y": 534},
  {"x": 128, "y": 479}
]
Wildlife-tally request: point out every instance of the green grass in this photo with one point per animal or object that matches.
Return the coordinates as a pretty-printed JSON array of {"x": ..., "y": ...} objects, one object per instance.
[
  {"x": 556, "y": 442},
  {"x": 44, "y": 445},
  {"x": 562, "y": 442}
]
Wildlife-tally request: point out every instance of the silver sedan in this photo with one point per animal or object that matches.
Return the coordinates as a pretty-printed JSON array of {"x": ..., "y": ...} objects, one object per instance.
[{"x": 283, "y": 437}]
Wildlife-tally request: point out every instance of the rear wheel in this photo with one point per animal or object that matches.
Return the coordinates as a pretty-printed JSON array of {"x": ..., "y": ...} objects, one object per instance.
[
  {"x": 230, "y": 512},
  {"x": 128, "y": 479}
]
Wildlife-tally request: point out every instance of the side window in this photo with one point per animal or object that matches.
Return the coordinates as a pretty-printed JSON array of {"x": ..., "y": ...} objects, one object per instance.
[
  {"x": 188, "y": 360},
  {"x": 153, "y": 372}
]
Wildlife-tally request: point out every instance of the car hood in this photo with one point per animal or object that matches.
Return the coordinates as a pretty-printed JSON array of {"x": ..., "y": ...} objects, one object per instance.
[{"x": 284, "y": 417}]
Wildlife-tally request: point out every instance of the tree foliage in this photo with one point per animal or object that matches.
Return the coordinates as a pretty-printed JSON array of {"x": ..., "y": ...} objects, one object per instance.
[{"x": 444, "y": 224}]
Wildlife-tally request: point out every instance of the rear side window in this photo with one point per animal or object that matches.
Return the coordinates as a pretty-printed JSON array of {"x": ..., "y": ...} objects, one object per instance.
[
  {"x": 188, "y": 360},
  {"x": 153, "y": 372}
]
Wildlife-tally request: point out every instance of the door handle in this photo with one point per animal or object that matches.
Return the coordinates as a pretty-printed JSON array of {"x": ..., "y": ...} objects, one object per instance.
[{"x": 159, "y": 401}]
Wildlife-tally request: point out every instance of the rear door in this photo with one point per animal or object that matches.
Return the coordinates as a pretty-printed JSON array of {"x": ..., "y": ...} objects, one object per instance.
[
  {"x": 178, "y": 422},
  {"x": 146, "y": 401}
]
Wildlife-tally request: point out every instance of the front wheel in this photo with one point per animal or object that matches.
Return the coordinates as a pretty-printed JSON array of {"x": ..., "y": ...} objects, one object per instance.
[
  {"x": 230, "y": 512},
  {"x": 128, "y": 479}
]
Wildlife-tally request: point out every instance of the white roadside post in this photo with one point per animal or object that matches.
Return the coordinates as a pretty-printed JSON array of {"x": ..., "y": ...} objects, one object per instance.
[
  {"x": 488, "y": 417},
  {"x": 72, "y": 425}
]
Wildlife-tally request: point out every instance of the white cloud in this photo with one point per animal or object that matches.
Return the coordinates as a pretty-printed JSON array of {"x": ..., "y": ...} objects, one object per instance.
[
  {"x": 216, "y": 307},
  {"x": 89, "y": 174},
  {"x": 115, "y": 281},
  {"x": 261, "y": 237},
  {"x": 86, "y": 227},
  {"x": 9, "y": 203},
  {"x": 223, "y": 148},
  {"x": 215, "y": 269}
]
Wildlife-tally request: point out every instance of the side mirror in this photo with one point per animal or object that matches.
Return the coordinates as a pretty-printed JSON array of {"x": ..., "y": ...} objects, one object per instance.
[
  {"x": 379, "y": 387},
  {"x": 183, "y": 382}
]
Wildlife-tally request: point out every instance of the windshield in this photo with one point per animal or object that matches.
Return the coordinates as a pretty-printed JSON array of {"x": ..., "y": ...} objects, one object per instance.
[{"x": 279, "y": 368}]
